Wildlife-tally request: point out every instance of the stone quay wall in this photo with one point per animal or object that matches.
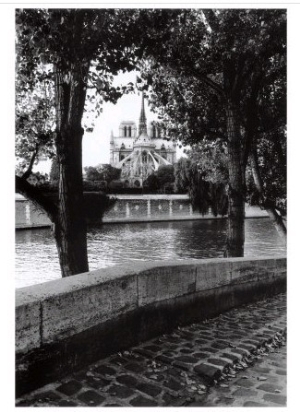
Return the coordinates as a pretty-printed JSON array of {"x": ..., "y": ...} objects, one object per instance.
[
  {"x": 129, "y": 208},
  {"x": 65, "y": 324},
  {"x": 28, "y": 215},
  {"x": 151, "y": 207}
]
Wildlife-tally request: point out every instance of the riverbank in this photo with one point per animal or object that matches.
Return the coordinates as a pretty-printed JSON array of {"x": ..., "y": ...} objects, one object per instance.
[{"x": 129, "y": 209}]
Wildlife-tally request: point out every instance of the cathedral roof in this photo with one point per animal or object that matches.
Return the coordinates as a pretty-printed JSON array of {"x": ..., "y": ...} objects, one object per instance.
[
  {"x": 143, "y": 140},
  {"x": 131, "y": 122}
]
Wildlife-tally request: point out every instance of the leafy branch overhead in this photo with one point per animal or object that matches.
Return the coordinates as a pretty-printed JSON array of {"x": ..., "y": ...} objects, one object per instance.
[{"x": 222, "y": 75}]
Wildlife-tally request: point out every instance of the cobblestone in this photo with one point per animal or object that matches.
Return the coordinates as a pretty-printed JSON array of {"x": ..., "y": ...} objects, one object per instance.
[{"x": 235, "y": 359}]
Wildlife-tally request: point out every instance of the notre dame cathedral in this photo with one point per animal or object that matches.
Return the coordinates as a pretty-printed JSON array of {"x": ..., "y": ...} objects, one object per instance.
[{"x": 138, "y": 153}]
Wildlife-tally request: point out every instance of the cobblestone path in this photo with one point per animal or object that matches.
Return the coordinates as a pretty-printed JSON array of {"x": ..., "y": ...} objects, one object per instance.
[
  {"x": 263, "y": 384},
  {"x": 235, "y": 359}
]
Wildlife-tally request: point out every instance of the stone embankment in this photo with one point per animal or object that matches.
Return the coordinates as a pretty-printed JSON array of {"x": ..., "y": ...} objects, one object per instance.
[
  {"x": 235, "y": 359},
  {"x": 128, "y": 209},
  {"x": 65, "y": 324}
]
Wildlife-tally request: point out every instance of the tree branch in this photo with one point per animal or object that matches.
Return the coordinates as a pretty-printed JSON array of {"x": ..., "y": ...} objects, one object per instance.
[
  {"x": 37, "y": 197},
  {"x": 207, "y": 80},
  {"x": 211, "y": 19},
  {"x": 33, "y": 157}
]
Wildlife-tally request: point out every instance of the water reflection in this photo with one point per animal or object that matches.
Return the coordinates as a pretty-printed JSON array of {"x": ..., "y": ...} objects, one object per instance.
[{"x": 37, "y": 261}]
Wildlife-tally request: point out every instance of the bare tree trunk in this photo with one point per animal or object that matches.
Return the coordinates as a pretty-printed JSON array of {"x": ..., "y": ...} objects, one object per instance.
[
  {"x": 236, "y": 205},
  {"x": 269, "y": 207},
  {"x": 70, "y": 229}
]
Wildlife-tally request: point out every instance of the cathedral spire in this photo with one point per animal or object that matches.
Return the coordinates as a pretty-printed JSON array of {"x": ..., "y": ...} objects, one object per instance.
[{"x": 142, "y": 120}]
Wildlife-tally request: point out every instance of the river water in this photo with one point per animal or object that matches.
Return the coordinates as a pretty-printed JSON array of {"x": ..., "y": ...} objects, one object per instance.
[{"x": 37, "y": 261}]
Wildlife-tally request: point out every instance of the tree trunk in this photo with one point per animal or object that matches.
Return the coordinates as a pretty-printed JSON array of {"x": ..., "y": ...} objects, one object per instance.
[
  {"x": 269, "y": 207},
  {"x": 236, "y": 205},
  {"x": 70, "y": 229}
]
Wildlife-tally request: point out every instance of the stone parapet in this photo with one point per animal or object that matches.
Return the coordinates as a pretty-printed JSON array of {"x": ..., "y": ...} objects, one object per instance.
[{"x": 64, "y": 324}]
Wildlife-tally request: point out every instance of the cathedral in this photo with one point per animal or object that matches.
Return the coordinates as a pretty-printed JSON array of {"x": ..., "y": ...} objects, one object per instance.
[{"x": 139, "y": 153}]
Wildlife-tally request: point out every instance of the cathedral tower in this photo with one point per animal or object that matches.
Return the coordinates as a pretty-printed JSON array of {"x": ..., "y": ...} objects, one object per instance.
[{"x": 142, "y": 120}]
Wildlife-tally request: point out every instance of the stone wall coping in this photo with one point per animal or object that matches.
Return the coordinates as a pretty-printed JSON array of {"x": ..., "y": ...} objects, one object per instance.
[{"x": 43, "y": 291}]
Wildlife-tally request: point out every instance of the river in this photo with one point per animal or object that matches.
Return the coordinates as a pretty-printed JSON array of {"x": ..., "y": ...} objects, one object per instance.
[{"x": 36, "y": 258}]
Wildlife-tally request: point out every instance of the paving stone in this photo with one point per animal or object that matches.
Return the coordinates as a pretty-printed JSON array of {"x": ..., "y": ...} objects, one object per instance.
[
  {"x": 186, "y": 351},
  {"x": 277, "y": 364},
  {"x": 187, "y": 359},
  {"x": 245, "y": 383},
  {"x": 127, "y": 380},
  {"x": 252, "y": 342},
  {"x": 235, "y": 336},
  {"x": 173, "y": 372},
  {"x": 91, "y": 398},
  {"x": 209, "y": 350},
  {"x": 48, "y": 396},
  {"x": 118, "y": 360},
  {"x": 268, "y": 387},
  {"x": 168, "y": 353},
  {"x": 153, "y": 348},
  {"x": 273, "y": 356},
  {"x": 182, "y": 365},
  {"x": 120, "y": 391},
  {"x": 259, "y": 369},
  {"x": 105, "y": 370},
  {"x": 200, "y": 355},
  {"x": 219, "y": 345},
  {"x": 134, "y": 367},
  {"x": 149, "y": 389},
  {"x": 164, "y": 359},
  {"x": 170, "y": 400},
  {"x": 70, "y": 388},
  {"x": 233, "y": 357},
  {"x": 172, "y": 384},
  {"x": 219, "y": 362},
  {"x": 202, "y": 341},
  {"x": 248, "y": 347},
  {"x": 208, "y": 372},
  {"x": 96, "y": 382},
  {"x": 141, "y": 401},
  {"x": 189, "y": 345},
  {"x": 133, "y": 357},
  {"x": 157, "y": 377},
  {"x": 241, "y": 351},
  {"x": 145, "y": 352},
  {"x": 279, "y": 399},
  {"x": 244, "y": 392}
]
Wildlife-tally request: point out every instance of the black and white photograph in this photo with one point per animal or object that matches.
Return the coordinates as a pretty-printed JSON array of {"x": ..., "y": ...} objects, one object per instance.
[{"x": 150, "y": 196}]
